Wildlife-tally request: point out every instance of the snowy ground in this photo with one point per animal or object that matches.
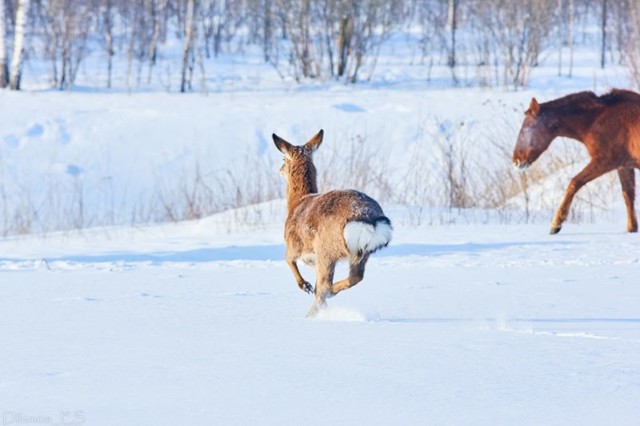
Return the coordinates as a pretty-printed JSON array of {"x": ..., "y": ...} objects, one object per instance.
[
  {"x": 201, "y": 323},
  {"x": 191, "y": 324}
]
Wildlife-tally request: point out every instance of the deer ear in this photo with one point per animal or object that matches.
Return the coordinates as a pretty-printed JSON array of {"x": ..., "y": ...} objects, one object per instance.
[
  {"x": 534, "y": 107},
  {"x": 282, "y": 145},
  {"x": 315, "y": 141}
]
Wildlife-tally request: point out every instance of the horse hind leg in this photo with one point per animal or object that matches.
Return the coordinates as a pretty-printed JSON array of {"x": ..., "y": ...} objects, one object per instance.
[
  {"x": 356, "y": 274},
  {"x": 628, "y": 182}
]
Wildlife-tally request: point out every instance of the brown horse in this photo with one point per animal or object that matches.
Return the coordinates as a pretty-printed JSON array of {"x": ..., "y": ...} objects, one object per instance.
[{"x": 607, "y": 125}]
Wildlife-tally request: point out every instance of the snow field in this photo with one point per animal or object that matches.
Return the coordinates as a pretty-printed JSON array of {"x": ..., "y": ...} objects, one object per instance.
[{"x": 478, "y": 324}]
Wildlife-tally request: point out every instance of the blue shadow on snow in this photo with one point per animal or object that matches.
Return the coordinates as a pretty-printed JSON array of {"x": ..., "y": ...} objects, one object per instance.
[{"x": 273, "y": 252}]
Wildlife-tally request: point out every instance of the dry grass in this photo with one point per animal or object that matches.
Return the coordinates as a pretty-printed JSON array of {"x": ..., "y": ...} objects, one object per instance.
[{"x": 441, "y": 177}]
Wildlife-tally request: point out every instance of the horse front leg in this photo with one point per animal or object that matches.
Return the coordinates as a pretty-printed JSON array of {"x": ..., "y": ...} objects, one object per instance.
[
  {"x": 592, "y": 171},
  {"x": 628, "y": 181}
]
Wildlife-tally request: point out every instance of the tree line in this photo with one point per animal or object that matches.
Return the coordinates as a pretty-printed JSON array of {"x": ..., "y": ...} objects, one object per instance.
[{"x": 482, "y": 42}]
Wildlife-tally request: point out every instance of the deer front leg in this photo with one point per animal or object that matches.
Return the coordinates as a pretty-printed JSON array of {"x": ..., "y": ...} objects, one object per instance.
[
  {"x": 324, "y": 278},
  {"x": 302, "y": 283},
  {"x": 593, "y": 170},
  {"x": 628, "y": 181}
]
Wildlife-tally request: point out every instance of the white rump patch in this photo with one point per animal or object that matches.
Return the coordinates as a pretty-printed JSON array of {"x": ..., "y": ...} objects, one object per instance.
[{"x": 364, "y": 237}]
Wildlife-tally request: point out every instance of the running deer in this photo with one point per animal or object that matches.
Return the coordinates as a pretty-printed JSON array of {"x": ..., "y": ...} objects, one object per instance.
[{"x": 322, "y": 229}]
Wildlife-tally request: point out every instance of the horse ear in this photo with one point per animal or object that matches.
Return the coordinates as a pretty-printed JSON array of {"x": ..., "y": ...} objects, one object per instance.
[
  {"x": 282, "y": 145},
  {"x": 315, "y": 141},
  {"x": 534, "y": 107}
]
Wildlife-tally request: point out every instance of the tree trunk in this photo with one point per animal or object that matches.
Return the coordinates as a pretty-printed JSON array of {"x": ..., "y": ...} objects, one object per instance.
[
  {"x": 344, "y": 43},
  {"x": 560, "y": 41},
  {"x": 305, "y": 26},
  {"x": 186, "y": 46},
  {"x": 571, "y": 18},
  {"x": 4, "y": 69},
  {"x": 604, "y": 33},
  {"x": 452, "y": 21},
  {"x": 18, "y": 44},
  {"x": 267, "y": 31},
  {"x": 108, "y": 37},
  {"x": 156, "y": 11}
]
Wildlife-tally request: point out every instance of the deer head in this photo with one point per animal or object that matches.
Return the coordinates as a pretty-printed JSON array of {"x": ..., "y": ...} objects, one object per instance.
[{"x": 298, "y": 168}]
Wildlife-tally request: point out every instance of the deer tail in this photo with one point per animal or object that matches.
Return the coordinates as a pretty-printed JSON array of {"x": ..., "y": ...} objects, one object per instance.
[{"x": 366, "y": 237}]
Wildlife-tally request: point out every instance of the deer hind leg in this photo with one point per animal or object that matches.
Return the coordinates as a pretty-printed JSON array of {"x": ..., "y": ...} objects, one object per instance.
[
  {"x": 356, "y": 274},
  {"x": 593, "y": 170},
  {"x": 324, "y": 278},
  {"x": 628, "y": 181}
]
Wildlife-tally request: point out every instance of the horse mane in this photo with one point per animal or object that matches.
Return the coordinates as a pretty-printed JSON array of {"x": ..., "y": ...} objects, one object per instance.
[
  {"x": 575, "y": 101},
  {"x": 617, "y": 96},
  {"x": 587, "y": 100}
]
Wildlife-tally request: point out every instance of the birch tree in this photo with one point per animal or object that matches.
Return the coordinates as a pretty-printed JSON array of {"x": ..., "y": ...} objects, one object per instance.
[
  {"x": 156, "y": 8},
  {"x": 18, "y": 44},
  {"x": 187, "y": 46}
]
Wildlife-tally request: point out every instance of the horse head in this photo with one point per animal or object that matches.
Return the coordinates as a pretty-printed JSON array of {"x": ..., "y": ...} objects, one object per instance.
[{"x": 534, "y": 138}]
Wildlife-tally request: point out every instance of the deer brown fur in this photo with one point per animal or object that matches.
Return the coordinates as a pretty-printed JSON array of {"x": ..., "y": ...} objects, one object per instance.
[{"x": 322, "y": 229}]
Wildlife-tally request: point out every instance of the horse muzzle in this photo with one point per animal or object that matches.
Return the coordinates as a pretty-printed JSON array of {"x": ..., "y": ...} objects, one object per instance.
[{"x": 521, "y": 165}]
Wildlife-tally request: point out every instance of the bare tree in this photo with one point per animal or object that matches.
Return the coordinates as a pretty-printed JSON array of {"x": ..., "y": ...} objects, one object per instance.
[
  {"x": 268, "y": 29},
  {"x": 571, "y": 35},
  {"x": 432, "y": 20},
  {"x": 603, "y": 30},
  {"x": 564, "y": 21},
  {"x": 559, "y": 14},
  {"x": 629, "y": 39},
  {"x": 4, "y": 67},
  {"x": 518, "y": 34},
  {"x": 452, "y": 24},
  {"x": 187, "y": 46},
  {"x": 18, "y": 44},
  {"x": 69, "y": 26},
  {"x": 314, "y": 39},
  {"x": 140, "y": 23},
  {"x": 107, "y": 31},
  {"x": 345, "y": 35},
  {"x": 221, "y": 19},
  {"x": 155, "y": 8},
  {"x": 299, "y": 26}
]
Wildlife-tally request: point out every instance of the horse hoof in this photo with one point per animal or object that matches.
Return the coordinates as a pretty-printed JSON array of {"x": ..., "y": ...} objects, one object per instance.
[{"x": 555, "y": 229}]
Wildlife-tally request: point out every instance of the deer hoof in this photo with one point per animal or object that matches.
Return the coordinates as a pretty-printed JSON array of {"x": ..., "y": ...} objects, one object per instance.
[
  {"x": 306, "y": 287},
  {"x": 313, "y": 311},
  {"x": 555, "y": 229}
]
